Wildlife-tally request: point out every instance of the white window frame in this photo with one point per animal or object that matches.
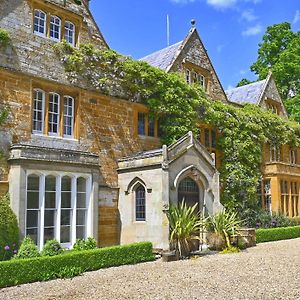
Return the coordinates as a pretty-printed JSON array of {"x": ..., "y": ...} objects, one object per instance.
[
  {"x": 67, "y": 32},
  {"x": 34, "y": 131},
  {"x": 42, "y": 34},
  {"x": 188, "y": 76},
  {"x": 66, "y": 115},
  {"x": 201, "y": 81},
  {"x": 89, "y": 197},
  {"x": 51, "y": 133},
  {"x": 52, "y": 23}
]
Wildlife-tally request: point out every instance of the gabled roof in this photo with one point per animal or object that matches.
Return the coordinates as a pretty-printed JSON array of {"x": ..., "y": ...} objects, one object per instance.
[
  {"x": 250, "y": 93},
  {"x": 164, "y": 58}
]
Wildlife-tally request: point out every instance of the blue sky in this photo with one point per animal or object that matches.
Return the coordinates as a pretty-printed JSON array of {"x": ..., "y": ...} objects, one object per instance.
[{"x": 230, "y": 29}]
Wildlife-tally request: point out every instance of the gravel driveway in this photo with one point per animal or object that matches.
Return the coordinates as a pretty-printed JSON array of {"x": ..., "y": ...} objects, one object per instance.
[{"x": 268, "y": 271}]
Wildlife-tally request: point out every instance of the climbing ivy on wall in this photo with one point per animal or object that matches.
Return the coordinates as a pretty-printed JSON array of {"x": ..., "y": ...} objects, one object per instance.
[{"x": 181, "y": 107}]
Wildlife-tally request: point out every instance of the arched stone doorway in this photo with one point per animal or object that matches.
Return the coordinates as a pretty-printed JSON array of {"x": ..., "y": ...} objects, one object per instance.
[{"x": 188, "y": 190}]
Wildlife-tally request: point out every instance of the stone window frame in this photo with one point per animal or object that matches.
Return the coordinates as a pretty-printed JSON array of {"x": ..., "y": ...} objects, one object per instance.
[
  {"x": 39, "y": 18},
  {"x": 35, "y": 111},
  {"x": 75, "y": 114},
  {"x": 65, "y": 16},
  {"x": 275, "y": 153},
  {"x": 68, "y": 30},
  {"x": 198, "y": 75},
  {"x": 53, "y": 30},
  {"x": 284, "y": 196},
  {"x": 137, "y": 204},
  {"x": 294, "y": 199},
  {"x": 42, "y": 175},
  {"x": 140, "y": 110},
  {"x": 51, "y": 133}
]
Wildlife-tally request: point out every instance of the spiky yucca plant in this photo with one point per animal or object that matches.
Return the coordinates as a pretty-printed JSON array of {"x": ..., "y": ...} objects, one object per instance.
[
  {"x": 185, "y": 226},
  {"x": 223, "y": 223}
]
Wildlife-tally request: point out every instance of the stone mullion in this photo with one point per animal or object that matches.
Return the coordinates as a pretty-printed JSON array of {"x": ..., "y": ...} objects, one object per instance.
[
  {"x": 62, "y": 29},
  {"x": 48, "y": 19},
  {"x": 76, "y": 117},
  {"x": 146, "y": 124}
]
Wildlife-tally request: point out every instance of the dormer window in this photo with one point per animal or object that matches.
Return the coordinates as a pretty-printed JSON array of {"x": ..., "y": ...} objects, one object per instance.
[
  {"x": 55, "y": 28},
  {"x": 70, "y": 33},
  {"x": 188, "y": 76},
  {"x": 193, "y": 77},
  {"x": 39, "y": 22}
]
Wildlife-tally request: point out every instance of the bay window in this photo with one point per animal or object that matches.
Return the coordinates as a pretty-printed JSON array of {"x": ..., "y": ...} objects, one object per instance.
[{"x": 57, "y": 207}]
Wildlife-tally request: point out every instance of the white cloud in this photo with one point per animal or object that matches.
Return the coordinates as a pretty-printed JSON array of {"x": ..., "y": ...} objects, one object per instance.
[
  {"x": 248, "y": 15},
  {"x": 243, "y": 72},
  {"x": 297, "y": 17},
  {"x": 221, "y": 3},
  {"x": 254, "y": 30}
]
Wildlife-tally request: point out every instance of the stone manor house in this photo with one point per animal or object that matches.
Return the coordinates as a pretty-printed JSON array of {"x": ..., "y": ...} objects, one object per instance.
[{"x": 79, "y": 163}]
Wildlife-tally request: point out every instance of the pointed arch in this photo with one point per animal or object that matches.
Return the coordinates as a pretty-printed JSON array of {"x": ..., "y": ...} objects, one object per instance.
[{"x": 133, "y": 184}]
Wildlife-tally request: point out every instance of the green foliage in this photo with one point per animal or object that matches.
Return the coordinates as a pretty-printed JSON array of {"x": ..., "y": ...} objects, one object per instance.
[
  {"x": 9, "y": 230},
  {"x": 167, "y": 95},
  {"x": 16, "y": 272},
  {"x": 225, "y": 224},
  {"x": 82, "y": 244},
  {"x": 4, "y": 37},
  {"x": 243, "y": 81},
  {"x": 276, "y": 234},
  {"x": 230, "y": 250},
  {"x": 184, "y": 225},
  {"x": 280, "y": 52},
  {"x": 28, "y": 249},
  {"x": 181, "y": 108},
  {"x": 52, "y": 248}
]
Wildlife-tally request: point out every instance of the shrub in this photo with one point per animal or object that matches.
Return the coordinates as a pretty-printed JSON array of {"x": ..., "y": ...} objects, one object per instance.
[
  {"x": 230, "y": 250},
  {"x": 16, "y": 272},
  {"x": 184, "y": 227},
  {"x": 52, "y": 248},
  {"x": 276, "y": 234},
  {"x": 9, "y": 230},
  {"x": 28, "y": 249},
  {"x": 88, "y": 244},
  {"x": 4, "y": 37},
  {"x": 223, "y": 223}
]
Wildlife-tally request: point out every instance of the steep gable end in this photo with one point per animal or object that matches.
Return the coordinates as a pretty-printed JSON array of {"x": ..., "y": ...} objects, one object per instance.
[{"x": 194, "y": 57}]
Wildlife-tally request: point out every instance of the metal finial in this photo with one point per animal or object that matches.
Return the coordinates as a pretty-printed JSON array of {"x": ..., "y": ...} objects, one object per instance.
[{"x": 193, "y": 22}]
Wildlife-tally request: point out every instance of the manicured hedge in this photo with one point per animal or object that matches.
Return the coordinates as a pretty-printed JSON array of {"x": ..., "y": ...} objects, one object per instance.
[
  {"x": 44, "y": 268},
  {"x": 276, "y": 234}
]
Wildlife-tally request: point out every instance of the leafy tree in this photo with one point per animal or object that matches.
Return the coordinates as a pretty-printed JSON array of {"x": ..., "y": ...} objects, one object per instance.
[{"x": 243, "y": 81}]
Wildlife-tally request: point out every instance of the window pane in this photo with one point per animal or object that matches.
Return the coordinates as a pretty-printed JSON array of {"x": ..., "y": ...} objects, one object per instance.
[
  {"x": 55, "y": 28},
  {"x": 66, "y": 200},
  {"x": 66, "y": 217},
  {"x": 48, "y": 234},
  {"x": 81, "y": 184},
  {"x": 33, "y": 233},
  {"x": 140, "y": 208},
  {"x": 213, "y": 139},
  {"x": 207, "y": 140},
  {"x": 151, "y": 125},
  {"x": 68, "y": 116},
  {"x": 141, "y": 123},
  {"x": 81, "y": 217},
  {"x": 50, "y": 184},
  {"x": 53, "y": 114},
  {"x": 33, "y": 183},
  {"x": 49, "y": 218},
  {"x": 70, "y": 33},
  {"x": 50, "y": 200},
  {"x": 80, "y": 232},
  {"x": 39, "y": 22},
  {"x": 65, "y": 234},
  {"x": 32, "y": 218},
  {"x": 81, "y": 200},
  {"x": 38, "y": 112},
  {"x": 66, "y": 184},
  {"x": 32, "y": 200}
]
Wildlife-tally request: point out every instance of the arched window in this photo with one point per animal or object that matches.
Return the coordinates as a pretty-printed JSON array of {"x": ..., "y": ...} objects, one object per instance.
[
  {"x": 188, "y": 191},
  {"x": 140, "y": 203},
  {"x": 38, "y": 111},
  {"x": 39, "y": 22},
  {"x": 55, "y": 28},
  {"x": 70, "y": 33}
]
